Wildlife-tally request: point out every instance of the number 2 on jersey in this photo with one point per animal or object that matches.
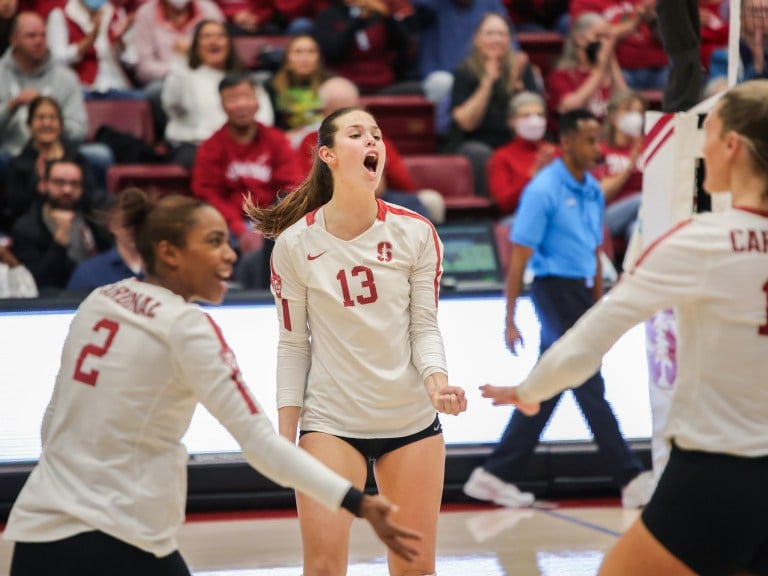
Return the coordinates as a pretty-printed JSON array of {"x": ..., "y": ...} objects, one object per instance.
[
  {"x": 95, "y": 350},
  {"x": 763, "y": 330},
  {"x": 367, "y": 283}
]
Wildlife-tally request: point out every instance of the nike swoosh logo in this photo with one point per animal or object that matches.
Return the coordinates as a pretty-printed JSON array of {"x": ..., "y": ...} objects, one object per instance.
[
  {"x": 436, "y": 427},
  {"x": 316, "y": 256}
]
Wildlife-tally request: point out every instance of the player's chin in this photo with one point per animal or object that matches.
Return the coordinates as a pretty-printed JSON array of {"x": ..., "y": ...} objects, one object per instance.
[{"x": 214, "y": 294}]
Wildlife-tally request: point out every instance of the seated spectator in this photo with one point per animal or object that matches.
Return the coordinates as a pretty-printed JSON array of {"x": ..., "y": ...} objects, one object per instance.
[
  {"x": 396, "y": 185},
  {"x": 639, "y": 51},
  {"x": 360, "y": 40},
  {"x": 244, "y": 158},
  {"x": 248, "y": 17},
  {"x": 121, "y": 261},
  {"x": 15, "y": 280},
  {"x": 27, "y": 71},
  {"x": 8, "y": 10},
  {"x": 293, "y": 89},
  {"x": 191, "y": 96},
  {"x": 47, "y": 142},
  {"x": 162, "y": 31},
  {"x": 446, "y": 31},
  {"x": 513, "y": 165},
  {"x": 539, "y": 15},
  {"x": 587, "y": 73},
  {"x": 619, "y": 175},
  {"x": 482, "y": 88},
  {"x": 55, "y": 233},
  {"x": 754, "y": 41},
  {"x": 90, "y": 36}
]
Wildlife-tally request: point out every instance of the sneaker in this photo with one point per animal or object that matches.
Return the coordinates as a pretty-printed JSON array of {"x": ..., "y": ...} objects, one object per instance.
[
  {"x": 638, "y": 492},
  {"x": 485, "y": 486}
]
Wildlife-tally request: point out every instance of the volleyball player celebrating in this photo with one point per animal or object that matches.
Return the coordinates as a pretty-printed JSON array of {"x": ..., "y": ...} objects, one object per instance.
[
  {"x": 708, "y": 514},
  {"x": 108, "y": 494},
  {"x": 362, "y": 277}
]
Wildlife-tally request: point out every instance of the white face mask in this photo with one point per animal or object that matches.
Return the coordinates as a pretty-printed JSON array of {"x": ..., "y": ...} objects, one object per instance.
[
  {"x": 631, "y": 124},
  {"x": 531, "y": 128}
]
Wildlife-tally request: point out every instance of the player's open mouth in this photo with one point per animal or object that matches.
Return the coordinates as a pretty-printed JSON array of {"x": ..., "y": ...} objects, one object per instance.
[{"x": 371, "y": 162}]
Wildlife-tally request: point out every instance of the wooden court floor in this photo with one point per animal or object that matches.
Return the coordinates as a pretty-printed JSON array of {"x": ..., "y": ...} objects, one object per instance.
[{"x": 563, "y": 540}]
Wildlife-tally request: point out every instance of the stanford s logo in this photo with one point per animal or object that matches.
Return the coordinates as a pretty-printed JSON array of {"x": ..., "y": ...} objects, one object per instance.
[
  {"x": 277, "y": 285},
  {"x": 384, "y": 252}
]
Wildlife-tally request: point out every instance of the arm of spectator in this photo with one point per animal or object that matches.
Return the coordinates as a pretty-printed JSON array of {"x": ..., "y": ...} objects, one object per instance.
[
  {"x": 48, "y": 264},
  {"x": 149, "y": 65},
  {"x": 335, "y": 33},
  {"x": 175, "y": 92},
  {"x": 70, "y": 96},
  {"x": 603, "y": 69},
  {"x": 469, "y": 113},
  {"x": 58, "y": 39}
]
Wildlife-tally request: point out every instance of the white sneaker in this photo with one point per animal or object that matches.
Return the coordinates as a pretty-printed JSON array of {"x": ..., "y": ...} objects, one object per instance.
[
  {"x": 638, "y": 492},
  {"x": 485, "y": 486}
]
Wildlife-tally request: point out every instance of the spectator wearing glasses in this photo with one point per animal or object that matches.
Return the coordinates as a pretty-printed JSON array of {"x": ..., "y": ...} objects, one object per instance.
[{"x": 57, "y": 232}]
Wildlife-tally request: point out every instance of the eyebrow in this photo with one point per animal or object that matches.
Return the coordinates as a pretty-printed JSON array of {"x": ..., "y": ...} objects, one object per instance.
[{"x": 361, "y": 127}]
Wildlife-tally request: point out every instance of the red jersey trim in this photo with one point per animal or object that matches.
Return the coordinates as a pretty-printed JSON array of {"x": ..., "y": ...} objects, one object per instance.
[
  {"x": 312, "y": 216},
  {"x": 381, "y": 214},
  {"x": 237, "y": 377},
  {"x": 763, "y": 213},
  {"x": 659, "y": 240},
  {"x": 435, "y": 239}
]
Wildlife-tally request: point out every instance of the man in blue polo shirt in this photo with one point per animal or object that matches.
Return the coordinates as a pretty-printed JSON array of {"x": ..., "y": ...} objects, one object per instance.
[{"x": 559, "y": 229}]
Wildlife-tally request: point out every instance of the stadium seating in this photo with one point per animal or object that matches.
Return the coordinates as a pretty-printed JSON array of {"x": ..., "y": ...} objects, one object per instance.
[
  {"x": 158, "y": 178},
  {"x": 132, "y": 117},
  {"x": 451, "y": 175},
  {"x": 407, "y": 120}
]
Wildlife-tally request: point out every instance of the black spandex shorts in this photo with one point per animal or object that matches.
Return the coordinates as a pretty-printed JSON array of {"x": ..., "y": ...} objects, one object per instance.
[
  {"x": 91, "y": 554},
  {"x": 711, "y": 511},
  {"x": 374, "y": 448}
]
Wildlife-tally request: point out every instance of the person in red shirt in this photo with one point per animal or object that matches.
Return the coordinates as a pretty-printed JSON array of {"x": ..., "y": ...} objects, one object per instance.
[
  {"x": 714, "y": 30},
  {"x": 588, "y": 73},
  {"x": 619, "y": 175},
  {"x": 247, "y": 17},
  {"x": 397, "y": 186},
  {"x": 639, "y": 51},
  {"x": 512, "y": 166},
  {"x": 243, "y": 159}
]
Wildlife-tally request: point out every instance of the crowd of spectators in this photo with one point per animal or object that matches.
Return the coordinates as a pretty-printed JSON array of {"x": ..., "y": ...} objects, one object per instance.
[{"x": 493, "y": 103}]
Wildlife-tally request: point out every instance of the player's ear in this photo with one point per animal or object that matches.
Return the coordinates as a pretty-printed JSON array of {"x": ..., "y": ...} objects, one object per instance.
[
  {"x": 167, "y": 254},
  {"x": 326, "y": 154}
]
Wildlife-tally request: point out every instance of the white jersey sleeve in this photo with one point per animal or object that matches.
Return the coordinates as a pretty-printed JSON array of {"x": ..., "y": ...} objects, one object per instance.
[
  {"x": 210, "y": 368},
  {"x": 714, "y": 270},
  {"x": 293, "y": 350},
  {"x": 428, "y": 354},
  {"x": 666, "y": 274}
]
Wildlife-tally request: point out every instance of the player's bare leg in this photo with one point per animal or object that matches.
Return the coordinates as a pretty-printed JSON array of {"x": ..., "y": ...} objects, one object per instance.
[
  {"x": 412, "y": 477},
  {"x": 325, "y": 534}
]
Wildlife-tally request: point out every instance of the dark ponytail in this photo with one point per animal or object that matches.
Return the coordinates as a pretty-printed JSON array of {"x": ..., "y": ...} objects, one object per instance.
[{"x": 152, "y": 220}]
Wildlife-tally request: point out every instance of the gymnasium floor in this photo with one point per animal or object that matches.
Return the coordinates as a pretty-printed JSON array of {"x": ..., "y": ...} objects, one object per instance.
[{"x": 568, "y": 539}]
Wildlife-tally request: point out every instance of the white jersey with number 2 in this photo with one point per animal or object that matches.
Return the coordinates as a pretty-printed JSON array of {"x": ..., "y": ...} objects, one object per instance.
[
  {"x": 135, "y": 363},
  {"x": 358, "y": 324}
]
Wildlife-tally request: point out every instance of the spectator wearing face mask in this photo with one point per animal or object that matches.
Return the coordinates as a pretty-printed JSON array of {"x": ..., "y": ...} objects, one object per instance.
[
  {"x": 587, "y": 73},
  {"x": 513, "y": 165},
  {"x": 619, "y": 176},
  {"x": 91, "y": 37}
]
